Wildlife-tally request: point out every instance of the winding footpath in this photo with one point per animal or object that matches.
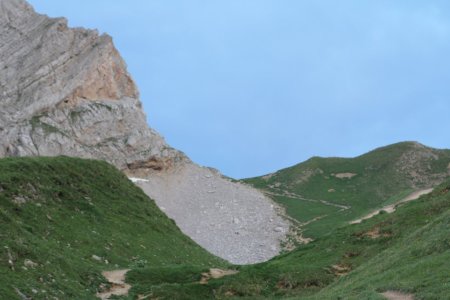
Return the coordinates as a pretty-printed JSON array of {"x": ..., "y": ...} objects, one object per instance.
[
  {"x": 298, "y": 197},
  {"x": 393, "y": 207}
]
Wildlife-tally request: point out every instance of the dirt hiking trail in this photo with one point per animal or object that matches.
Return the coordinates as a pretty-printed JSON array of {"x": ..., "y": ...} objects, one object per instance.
[
  {"x": 392, "y": 207},
  {"x": 118, "y": 285}
]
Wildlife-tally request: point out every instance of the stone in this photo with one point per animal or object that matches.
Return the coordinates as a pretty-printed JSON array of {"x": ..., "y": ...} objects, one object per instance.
[
  {"x": 19, "y": 200},
  {"x": 278, "y": 229},
  {"x": 96, "y": 257},
  {"x": 29, "y": 263}
]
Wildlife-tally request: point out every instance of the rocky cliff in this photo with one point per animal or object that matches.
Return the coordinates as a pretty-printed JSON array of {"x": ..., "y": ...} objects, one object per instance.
[{"x": 66, "y": 91}]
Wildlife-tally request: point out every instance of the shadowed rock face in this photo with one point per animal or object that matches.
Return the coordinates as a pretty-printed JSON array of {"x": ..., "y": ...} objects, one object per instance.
[{"x": 67, "y": 91}]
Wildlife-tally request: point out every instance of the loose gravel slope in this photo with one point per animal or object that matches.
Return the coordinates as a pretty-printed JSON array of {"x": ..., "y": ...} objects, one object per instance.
[{"x": 231, "y": 220}]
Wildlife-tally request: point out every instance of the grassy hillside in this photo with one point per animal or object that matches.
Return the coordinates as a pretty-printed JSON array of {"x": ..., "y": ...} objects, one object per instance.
[
  {"x": 406, "y": 251},
  {"x": 327, "y": 192},
  {"x": 64, "y": 220}
]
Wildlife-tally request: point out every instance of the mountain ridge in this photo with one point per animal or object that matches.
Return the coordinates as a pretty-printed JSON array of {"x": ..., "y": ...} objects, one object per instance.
[
  {"x": 324, "y": 192},
  {"x": 417, "y": 143}
]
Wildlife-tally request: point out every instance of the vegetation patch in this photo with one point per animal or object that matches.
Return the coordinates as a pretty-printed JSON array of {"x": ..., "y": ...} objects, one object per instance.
[
  {"x": 48, "y": 129},
  {"x": 407, "y": 251},
  {"x": 65, "y": 220},
  {"x": 364, "y": 183}
]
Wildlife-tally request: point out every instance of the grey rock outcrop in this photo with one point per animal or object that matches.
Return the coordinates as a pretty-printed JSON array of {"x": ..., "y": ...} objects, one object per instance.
[{"x": 67, "y": 91}]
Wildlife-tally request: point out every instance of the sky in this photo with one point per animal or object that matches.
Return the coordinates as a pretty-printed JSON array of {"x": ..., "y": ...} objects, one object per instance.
[{"x": 253, "y": 86}]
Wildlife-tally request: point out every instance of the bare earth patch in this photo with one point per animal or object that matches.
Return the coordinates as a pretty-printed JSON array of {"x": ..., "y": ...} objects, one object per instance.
[
  {"x": 376, "y": 233},
  {"x": 216, "y": 274},
  {"x": 341, "y": 269},
  {"x": 393, "y": 295},
  {"x": 118, "y": 285},
  {"x": 345, "y": 175}
]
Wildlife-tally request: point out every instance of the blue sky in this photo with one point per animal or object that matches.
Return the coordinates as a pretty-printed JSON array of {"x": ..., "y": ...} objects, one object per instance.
[{"x": 252, "y": 86}]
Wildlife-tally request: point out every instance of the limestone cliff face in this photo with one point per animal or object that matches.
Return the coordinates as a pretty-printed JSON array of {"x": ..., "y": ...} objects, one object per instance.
[{"x": 67, "y": 91}]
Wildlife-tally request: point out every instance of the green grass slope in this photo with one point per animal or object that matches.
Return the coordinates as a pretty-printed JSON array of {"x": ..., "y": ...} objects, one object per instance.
[
  {"x": 406, "y": 251},
  {"x": 417, "y": 263},
  {"x": 64, "y": 220},
  {"x": 327, "y": 192}
]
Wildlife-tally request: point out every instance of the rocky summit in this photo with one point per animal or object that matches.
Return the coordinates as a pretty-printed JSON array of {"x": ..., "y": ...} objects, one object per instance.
[{"x": 66, "y": 91}]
